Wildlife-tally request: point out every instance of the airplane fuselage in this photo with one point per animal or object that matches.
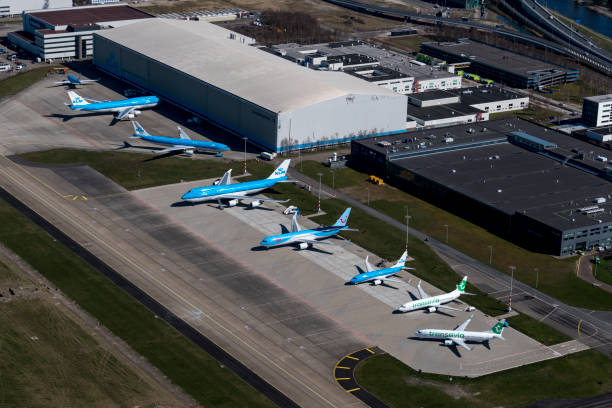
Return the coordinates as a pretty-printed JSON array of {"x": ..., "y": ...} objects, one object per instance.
[
  {"x": 370, "y": 276},
  {"x": 432, "y": 301},
  {"x": 218, "y": 192},
  {"x": 176, "y": 141},
  {"x": 117, "y": 106},
  {"x": 450, "y": 334},
  {"x": 305, "y": 235}
]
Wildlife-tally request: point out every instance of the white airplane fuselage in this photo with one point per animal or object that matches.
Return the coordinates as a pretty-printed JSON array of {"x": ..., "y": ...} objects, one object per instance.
[
  {"x": 449, "y": 334},
  {"x": 430, "y": 302}
]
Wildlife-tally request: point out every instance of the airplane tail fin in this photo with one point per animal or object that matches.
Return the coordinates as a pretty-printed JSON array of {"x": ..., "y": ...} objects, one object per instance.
[
  {"x": 343, "y": 218},
  {"x": 498, "y": 329},
  {"x": 461, "y": 285},
  {"x": 281, "y": 171},
  {"x": 75, "y": 99},
  {"x": 402, "y": 261},
  {"x": 295, "y": 227},
  {"x": 227, "y": 178},
  {"x": 138, "y": 130}
]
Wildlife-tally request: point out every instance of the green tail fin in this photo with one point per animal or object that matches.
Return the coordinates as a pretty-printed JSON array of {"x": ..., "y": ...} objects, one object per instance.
[
  {"x": 499, "y": 327},
  {"x": 461, "y": 285}
]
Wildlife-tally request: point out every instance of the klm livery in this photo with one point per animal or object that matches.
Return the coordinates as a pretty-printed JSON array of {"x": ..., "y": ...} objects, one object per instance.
[
  {"x": 378, "y": 276},
  {"x": 183, "y": 143},
  {"x": 433, "y": 303},
  {"x": 459, "y": 336},
  {"x": 73, "y": 81},
  {"x": 123, "y": 108},
  {"x": 306, "y": 238},
  {"x": 239, "y": 191}
]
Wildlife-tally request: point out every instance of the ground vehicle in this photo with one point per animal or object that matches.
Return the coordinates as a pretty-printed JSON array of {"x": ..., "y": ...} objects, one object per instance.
[
  {"x": 267, "y": 156},
  {"x": 5, "y": 67},
  {"x": 579, "y": 252}
]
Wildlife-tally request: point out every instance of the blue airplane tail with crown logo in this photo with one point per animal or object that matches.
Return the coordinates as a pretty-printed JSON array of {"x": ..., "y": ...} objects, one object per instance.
[{"x": 75, "y": 99}]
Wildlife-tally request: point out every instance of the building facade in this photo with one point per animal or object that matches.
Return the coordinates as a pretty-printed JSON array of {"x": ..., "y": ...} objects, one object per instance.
[
  {"x": 596, "y": 110},
  {"x": 16, "y": 7},
  {"x": 67, "y": 33}
]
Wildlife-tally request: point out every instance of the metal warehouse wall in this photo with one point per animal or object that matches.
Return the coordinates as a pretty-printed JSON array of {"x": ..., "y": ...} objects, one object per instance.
[
  {"x": 226, "y": 109},
  {"x": 341, "y": 119}
]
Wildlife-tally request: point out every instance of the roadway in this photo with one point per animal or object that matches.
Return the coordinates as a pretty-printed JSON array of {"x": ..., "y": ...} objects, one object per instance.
[{"x": 571, "y": 51}]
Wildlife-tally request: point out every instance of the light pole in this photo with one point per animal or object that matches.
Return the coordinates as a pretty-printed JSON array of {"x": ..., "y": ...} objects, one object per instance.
[
  {"x": 333, "y": 180},
  {"x": 407, "y": 228},
  {"x": 319, "y": 205},
  {"x": 512, "y": 268},
  {"x": 491, "y": 255},
  {"x": 245, "y": 139},
  {"x": 446, "y": 226}
]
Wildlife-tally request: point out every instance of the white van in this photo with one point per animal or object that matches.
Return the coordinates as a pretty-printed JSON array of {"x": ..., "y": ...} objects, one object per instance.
[{"x": 5, "y": 67}]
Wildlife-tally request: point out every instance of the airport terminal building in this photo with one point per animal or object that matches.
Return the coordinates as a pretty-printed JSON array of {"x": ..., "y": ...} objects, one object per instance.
[
  {"x": 542, "y": 188},
  {"x": 214, "y": 72}
]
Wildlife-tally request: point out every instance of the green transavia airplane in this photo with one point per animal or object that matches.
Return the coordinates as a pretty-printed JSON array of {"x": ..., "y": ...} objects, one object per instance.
[{"x": 459, "y": 336}]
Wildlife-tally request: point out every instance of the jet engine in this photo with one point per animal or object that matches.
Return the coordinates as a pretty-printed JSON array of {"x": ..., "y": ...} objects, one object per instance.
[
  {"x": 232, "y": 203},
  {"x": 303, "y": 245},
  {"x": 377, "y": 282},
  {"x": 448, "y": 342},
  {"x": 431, "y": 309},
  {"x": 256, "y": 203},
  {"x": 130, "y": 116},
  {"x": 470, "y": 308},
  {"x": 137, "y": 112},
  {"x": 190, "y": 152}
]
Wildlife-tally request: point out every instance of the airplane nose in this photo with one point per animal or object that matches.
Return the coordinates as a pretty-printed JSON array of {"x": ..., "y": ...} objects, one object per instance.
[{"x": 264, "y": 242}]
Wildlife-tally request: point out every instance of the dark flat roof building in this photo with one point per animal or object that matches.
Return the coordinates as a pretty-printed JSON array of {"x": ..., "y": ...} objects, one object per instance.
[
  {"x": 501, "y": 65},
  {"x": 545, "y": 189}
]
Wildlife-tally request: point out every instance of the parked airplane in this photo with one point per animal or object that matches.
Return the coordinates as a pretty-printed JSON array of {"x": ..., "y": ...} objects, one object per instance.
[
  {"x": 306, "y": 238},
  {"x": 224, "y": 190},
  {"x": 459, "y": 336},
  {"x": 378, "y": 276},
  {"x": 123, "y": 108},
  {"x": 432, "y": 303},
  {"x": 74, "y": 81},
  {"x": 182, "y": 143}
]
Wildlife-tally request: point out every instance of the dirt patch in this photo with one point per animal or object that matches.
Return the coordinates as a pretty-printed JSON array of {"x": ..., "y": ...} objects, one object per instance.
[{"x": 454, "y": 390}]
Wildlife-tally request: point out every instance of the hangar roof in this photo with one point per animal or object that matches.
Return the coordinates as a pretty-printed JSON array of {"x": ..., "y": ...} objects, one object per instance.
[{"x": 205, "y": 51}]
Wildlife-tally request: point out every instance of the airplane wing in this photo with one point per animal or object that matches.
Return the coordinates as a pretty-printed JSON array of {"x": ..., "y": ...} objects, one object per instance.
[
  {"x": 422, "y": 293},
  {"x": 313, "y": 242},
  {"x": 171, "y": 149},
  {"x": 392, "y": 280},
  {"x": 124, "y": 112},
  {"x": 463, "y": 325},
  {"x": 95, "y": 100},
  {"x": 460, "y": 343},
  {"x": 88, "y": 81},
  {"x": 182, "y": 134},
  {"x": 450, "y": 308},
  {"x": 64, "y": 82},
  {"x": 369, "y": 267},
  {"x": 238, "y": 197}
]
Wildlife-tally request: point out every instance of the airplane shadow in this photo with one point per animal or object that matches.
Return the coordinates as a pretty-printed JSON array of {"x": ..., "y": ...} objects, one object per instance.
[
  {"x": 259, "y": 248},
  {"x": 452, "y": 348},
  {"x": 182, "y": 204},
  {"x": 314, "y": 249},
  {"x": 162, "y": 156},
  {"x": 66, "y": 118}
]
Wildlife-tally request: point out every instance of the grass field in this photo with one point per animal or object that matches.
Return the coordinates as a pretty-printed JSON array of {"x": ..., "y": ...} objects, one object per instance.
[
  {"x": 579, "y": 375},
  {"x": 180, "y": 360},
  {"x": 410, "y": 43},
  {"x": 604, "y": 271},
  {"x": 49, "y": 360},
  {"x": 556, "y": 277},
  {"x": 12, "y": 85},
  {"x": 534, "y": 113}
]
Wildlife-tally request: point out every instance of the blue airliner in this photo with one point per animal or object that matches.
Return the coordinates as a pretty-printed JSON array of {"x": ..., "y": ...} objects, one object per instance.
[
  {"x": 224, "y": 190},
  {"x": 123, "y": 108},
  {"x": 73, "y": 81},
  {"x": 378, "y": 276},
  {"x": 182, "y": 143},
  {"x": 306, "y": 238}
]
